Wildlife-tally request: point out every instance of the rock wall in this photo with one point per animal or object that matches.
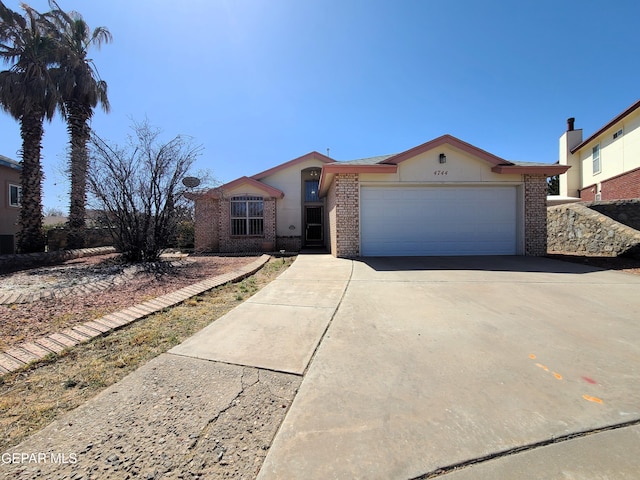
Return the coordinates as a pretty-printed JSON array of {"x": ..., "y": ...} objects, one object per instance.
[
  {"x": 626, "y": 212},
  {"x": 577, "y": 228}
]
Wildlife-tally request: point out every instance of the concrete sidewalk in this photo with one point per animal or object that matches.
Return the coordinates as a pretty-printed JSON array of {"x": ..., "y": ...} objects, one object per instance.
[
  {"x": 457, "y": 368},
  {"x": 280, "y": 327}
]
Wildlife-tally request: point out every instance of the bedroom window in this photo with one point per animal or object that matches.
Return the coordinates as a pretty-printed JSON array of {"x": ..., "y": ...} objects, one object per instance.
[
  {"x": 15, "y": 195},
  {"x": 596, "y": 159},
  {"x": 247, "y": 216}
]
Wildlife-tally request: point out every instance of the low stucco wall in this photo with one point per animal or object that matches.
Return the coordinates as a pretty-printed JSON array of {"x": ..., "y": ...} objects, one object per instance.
[
  {"x": 95, "y": 237},
  {"x": 577, "y": 228}
]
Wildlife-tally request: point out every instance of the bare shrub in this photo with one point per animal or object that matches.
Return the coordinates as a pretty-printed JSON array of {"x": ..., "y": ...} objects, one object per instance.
[{"x": 138, "y": 188}]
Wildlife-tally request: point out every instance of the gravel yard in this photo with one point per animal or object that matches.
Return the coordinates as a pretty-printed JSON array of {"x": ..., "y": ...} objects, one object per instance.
[{"x": 131, "y": 284}]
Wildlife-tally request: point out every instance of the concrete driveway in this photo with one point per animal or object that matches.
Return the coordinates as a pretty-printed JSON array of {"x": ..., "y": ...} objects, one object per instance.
[{"x": 464, "y": 368}]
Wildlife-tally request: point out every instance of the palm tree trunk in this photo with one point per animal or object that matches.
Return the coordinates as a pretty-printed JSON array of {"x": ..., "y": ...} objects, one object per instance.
[
  {"x": 30, "y": 236},
  {"x": 79, "y": 133}
]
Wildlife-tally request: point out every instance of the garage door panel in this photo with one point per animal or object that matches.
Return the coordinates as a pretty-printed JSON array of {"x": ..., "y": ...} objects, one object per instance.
[{"x": 438, "y": 220}]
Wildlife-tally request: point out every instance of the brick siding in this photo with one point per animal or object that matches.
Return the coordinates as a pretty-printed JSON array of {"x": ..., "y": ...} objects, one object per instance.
[
  {"x": 331, "y": 208},
  {"x": 535, "y": 215},
  {"x": 588, "y": 194},
  {"x": 289, "y": 244},
  {"x": 347, "y": 215},
  {"x": 206, "y": 221},
  {"x": 623, "y": 186},
  {"x": 620, "y": 187},
  {"x": 213, "y": 228}
]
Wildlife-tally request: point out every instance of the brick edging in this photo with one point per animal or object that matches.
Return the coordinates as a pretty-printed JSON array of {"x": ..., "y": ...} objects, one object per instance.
[{"x": 21, "y": 355}]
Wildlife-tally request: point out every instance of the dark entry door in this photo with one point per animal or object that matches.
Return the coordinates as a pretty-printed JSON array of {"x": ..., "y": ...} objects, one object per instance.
[{"x": 314, "y": 230}]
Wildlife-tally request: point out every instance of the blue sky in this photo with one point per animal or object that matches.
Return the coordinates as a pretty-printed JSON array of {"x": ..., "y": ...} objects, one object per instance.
[{"x": 260, "y": 82}]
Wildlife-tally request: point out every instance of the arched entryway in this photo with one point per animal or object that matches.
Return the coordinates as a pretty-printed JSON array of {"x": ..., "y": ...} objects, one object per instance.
[{"x": 313, "y": 209}]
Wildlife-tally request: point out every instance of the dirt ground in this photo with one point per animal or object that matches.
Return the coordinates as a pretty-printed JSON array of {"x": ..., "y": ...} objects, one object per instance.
[{"x": 22, "y": 322}]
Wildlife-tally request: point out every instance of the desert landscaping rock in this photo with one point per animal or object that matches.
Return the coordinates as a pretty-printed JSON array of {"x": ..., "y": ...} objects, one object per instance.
[
  {"x": 153, "y": 424},
  {"x": 71, "y": 306}
]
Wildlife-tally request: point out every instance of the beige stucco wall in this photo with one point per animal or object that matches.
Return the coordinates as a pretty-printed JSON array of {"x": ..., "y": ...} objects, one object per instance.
[
  {"x": 289, "y": 211},
  {"x": 570, "y": 181},
  {"x": 616, "y": 156},
  {"x": 460, "y": 167}
]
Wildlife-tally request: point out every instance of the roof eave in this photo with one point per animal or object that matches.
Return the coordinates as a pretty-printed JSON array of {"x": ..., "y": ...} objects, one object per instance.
[
  {"x": 219, "y": 192},
  {"x": 332, "y": 169},
  {"x": 448, "y": 140},
  {"x": 548, "y": 170},
  {"x": 308, "y": 156},
  {"x": 606, "y": 127}
]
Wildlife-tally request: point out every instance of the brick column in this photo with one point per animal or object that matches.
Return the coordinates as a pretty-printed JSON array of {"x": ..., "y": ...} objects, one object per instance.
[
  {"x": 206, "y": 225},
  {"x": 535, "y": 215},
  {"x": 347, "y": 210},
  {"x": 270, "y": 221}
]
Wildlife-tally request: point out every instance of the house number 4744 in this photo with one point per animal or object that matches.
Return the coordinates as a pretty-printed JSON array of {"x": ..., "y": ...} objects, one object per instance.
[{"x": 441, "y": 172}]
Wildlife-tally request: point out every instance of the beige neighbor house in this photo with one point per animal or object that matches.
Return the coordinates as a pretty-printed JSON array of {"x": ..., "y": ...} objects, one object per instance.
[
  {"x": 444, "y": 197},
  {"x": 605, "y": 166},
  {"x": 10, "y": 204}
]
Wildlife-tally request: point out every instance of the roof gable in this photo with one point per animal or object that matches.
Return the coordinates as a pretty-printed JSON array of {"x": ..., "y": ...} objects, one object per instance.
[
  {"x": 220, "y": 192},
  {"x": 449, "y": 140},
  {"x": 283, "y": 166}
]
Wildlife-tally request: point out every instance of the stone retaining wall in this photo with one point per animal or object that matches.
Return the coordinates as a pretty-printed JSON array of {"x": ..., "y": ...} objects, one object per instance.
[
  {"x": 623, "y": 211},
  {"x": 577, "y": 228},
  {"x": 14, "y": 262}
]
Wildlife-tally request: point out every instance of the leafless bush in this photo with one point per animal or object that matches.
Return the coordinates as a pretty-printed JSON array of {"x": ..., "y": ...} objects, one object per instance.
[{"x": 138, "y": 188}]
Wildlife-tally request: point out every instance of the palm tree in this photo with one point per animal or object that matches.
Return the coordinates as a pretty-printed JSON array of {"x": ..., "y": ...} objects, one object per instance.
[
  {"x": 28, "y": 93},
  {"x": 80, "y": 89}
]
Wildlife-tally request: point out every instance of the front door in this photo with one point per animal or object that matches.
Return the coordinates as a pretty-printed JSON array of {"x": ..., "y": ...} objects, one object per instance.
[{"x": 313, "y": 226}]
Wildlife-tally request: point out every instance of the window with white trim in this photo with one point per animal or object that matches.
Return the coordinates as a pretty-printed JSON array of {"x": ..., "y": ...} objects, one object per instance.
[
  {"x": 247, "y": 216},
  {"x": 595, "y": 153},
  {"x": 15, "y": 195}
]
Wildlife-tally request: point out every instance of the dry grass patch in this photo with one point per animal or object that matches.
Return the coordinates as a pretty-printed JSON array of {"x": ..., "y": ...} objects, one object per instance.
[{"x": 32, "y": 398}]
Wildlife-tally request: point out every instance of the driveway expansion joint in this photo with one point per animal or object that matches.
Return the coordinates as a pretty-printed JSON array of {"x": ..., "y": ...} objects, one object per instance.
[{"x": 523, "y": 448}]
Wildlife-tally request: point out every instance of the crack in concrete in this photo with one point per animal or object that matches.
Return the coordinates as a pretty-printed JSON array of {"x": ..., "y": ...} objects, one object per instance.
[
  {"x": 524, "y": 448},
  {"x": 232, "y": 403},
  {"x": 335, "y": 312}
]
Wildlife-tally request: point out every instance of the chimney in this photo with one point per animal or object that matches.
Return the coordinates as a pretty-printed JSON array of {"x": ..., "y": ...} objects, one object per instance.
[
  {"x": 570, "y": 181},
  {"x": 570, "y": 122}
]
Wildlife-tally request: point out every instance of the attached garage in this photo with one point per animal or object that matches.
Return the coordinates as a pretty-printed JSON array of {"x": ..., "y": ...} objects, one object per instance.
[{"x": 439, "y": 220}]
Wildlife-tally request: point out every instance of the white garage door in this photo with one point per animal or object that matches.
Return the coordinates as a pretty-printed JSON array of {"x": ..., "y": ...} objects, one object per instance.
[{"x": 438, "y": 221}]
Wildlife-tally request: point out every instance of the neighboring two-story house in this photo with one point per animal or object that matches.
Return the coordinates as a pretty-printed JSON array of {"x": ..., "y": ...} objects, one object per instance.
[
  {"x": 606, "y": 165},
  {"x": 10, "y": 203}
]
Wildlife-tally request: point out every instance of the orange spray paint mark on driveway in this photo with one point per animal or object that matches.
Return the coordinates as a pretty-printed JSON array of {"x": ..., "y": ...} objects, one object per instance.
[
  {"x": 557, "y": 375},
  {"x": 542, "y": 367},
  {"x": 532, "y": 356},
  {"x": 592, "y": 399}
]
